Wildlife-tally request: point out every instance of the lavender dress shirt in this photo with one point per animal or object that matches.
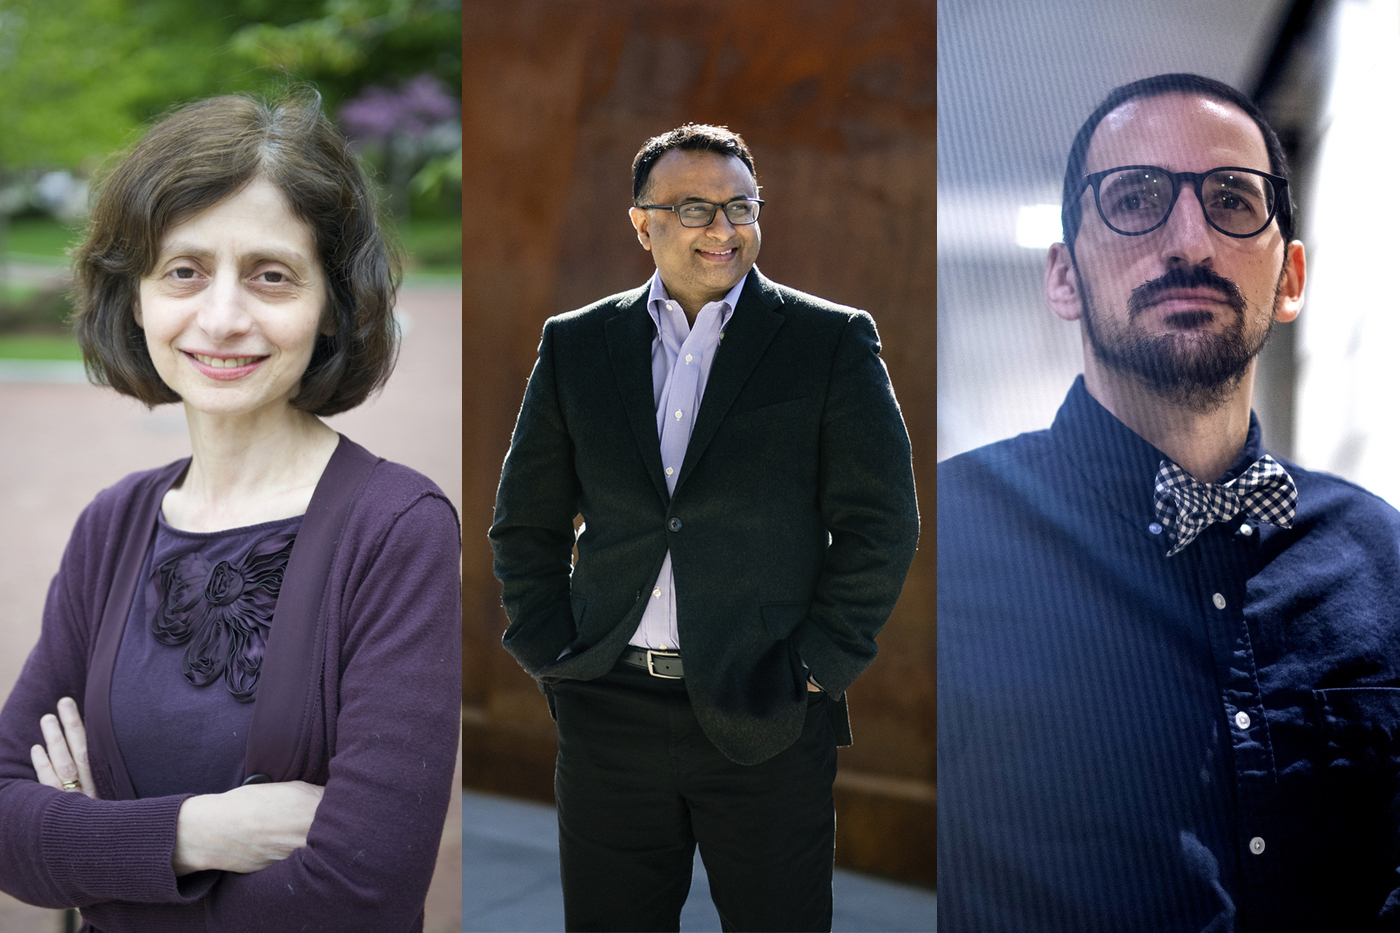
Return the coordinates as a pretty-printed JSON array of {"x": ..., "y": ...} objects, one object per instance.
[{"x": 681, "y": 356}]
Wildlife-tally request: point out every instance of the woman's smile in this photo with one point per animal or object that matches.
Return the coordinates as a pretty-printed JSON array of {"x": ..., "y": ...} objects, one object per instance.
[{"x": 226, "y": 368}]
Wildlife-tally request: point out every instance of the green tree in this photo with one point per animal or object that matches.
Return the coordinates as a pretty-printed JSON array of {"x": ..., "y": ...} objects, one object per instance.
[{"x": 78, "y": 78}]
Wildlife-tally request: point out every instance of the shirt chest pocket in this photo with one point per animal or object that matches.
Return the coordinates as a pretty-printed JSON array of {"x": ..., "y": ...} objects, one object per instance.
[{"x": 1361, "y": 726}]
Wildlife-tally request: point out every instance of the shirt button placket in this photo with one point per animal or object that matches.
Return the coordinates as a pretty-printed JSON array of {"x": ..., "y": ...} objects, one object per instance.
[{"x": 1252, "y": 749}]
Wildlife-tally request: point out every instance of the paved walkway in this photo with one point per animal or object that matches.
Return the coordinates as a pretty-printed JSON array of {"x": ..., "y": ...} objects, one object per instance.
[
  {"x": 61, "y": 441},
  {"x": 510, "y": 880}
]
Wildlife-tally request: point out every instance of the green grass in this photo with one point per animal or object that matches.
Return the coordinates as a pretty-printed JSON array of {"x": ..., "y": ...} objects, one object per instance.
[
  {"x": 39, "y": 347},
  {"x": 433, "y": 244},
  {"x": 11, "y": 293},
  {"x": 40, "y": 237}
]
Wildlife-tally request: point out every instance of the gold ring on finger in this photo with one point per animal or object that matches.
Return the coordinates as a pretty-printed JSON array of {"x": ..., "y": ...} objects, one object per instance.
[{"x": 73, "y": 784}]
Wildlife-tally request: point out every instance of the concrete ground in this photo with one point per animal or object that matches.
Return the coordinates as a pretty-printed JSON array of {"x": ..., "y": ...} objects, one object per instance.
[
  {"x": 62, "y": 440},
  {"x": 510, "y": 880}
]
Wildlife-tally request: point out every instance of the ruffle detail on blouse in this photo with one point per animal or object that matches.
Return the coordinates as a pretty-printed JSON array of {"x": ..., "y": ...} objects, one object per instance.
[{"x": 222, "y": 614}]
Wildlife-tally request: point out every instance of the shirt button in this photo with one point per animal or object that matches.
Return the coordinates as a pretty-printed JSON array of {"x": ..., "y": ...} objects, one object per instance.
[
  {"x": 678, "y": 414},
  {"x": 669, "y": 471},
  {"x": 1155, "y": 528},
  {"x": 674, "y": 524},
  {"x": 1246, "y": 529},
  {"x": 1256, "y": 845},
  {"x": 1218, "y": 600},
  {"x": 689, "y": 357},
  {"x": 656, "y": 592},
  {"x": 1242, "y": 719}
]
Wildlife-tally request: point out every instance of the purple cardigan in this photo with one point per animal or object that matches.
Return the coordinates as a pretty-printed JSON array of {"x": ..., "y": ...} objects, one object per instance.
[{"x": 386, "y": 735}]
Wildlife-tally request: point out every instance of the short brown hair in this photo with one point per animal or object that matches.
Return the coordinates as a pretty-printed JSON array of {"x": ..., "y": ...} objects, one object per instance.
[
  {"x": 196, "y": 157},
  {"x": 691, "y": 137}
]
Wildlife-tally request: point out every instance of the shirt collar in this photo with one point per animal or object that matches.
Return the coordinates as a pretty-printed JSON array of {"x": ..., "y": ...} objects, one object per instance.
[
  {"x": 1117, "y": 461},
  {"x": 657, "y": 296}
]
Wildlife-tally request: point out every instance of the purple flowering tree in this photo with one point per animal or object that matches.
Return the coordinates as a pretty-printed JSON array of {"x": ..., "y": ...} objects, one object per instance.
[{"x": 408, "y": 125}]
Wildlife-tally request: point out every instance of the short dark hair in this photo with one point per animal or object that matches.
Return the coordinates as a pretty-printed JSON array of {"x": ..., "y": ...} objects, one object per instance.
[
  {"x": 692, "y": 137},
  {"x": 191, "y": 160},
  {"x": 1176, "y": 83}
]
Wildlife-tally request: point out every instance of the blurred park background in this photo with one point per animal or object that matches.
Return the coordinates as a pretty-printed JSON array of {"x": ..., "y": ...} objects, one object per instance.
[
  {"x": 81, "y": 80},
  {"x": 836, "y": 100}
]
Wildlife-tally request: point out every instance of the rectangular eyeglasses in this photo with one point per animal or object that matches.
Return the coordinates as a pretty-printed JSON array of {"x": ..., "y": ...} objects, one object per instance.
[{"x": 702, "y": 213}]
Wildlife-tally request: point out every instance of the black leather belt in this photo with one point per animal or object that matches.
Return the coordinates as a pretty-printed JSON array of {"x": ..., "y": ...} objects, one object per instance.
[{"x": 664, "y": 664}]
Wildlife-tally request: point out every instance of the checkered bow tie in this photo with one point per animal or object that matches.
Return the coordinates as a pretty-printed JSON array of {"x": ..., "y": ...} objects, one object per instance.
[{"x": 1186, "y": 507}]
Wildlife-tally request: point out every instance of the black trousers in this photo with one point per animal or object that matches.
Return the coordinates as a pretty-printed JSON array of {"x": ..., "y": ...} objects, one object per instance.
[{"x": 638, "y": 786}]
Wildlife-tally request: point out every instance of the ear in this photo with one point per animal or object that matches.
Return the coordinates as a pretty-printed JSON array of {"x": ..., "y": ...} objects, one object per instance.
[
  {"x": 136, "y": 312},
  {"x": 328, "y": 326},
  {"x": 1290, "y": 289},
  {"x": 642, "y": 222},
  {"x": 1062, "y": 284}
]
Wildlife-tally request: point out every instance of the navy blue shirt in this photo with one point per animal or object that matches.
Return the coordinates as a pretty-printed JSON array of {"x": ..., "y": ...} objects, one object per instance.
[{"x": 1130, "y": 741}]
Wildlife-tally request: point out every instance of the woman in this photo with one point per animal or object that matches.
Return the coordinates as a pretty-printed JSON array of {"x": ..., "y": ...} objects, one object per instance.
[{"x": 252, "y": 654}]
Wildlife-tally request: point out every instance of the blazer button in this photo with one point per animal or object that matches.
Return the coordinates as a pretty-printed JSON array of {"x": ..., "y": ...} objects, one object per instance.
[{"x": 674, "y": 524}]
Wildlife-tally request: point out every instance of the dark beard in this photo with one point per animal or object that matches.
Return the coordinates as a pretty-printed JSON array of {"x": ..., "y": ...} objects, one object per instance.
[{"x": 1197, "y": 371}]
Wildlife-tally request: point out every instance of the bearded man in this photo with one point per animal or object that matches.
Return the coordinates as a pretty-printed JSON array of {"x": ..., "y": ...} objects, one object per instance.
[{"x": 1169, "y": 663}]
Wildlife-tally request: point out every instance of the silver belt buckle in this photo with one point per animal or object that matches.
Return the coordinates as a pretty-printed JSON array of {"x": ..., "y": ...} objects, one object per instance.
[{"x": 651, "y": 664}]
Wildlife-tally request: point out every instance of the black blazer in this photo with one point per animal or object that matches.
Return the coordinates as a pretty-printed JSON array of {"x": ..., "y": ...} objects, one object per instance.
[{"x": 791, "y": 529}]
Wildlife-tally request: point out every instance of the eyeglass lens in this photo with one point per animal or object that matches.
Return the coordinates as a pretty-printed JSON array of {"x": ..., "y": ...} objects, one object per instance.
[
  {"x": 702, "y": 213},
  {"x": 1136, "y": 200}
]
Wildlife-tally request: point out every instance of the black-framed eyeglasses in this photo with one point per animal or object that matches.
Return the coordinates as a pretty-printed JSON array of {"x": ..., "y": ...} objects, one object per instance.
[
  {"x": 1239, "y": 202},
  {"x": 740, "y": 211}
]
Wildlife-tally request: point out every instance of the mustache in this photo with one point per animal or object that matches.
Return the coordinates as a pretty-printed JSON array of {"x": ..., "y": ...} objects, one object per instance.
[{"x": 1193, "y": 277}]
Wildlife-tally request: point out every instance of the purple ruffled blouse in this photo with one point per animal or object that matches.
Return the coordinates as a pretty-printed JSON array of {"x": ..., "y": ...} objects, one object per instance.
[{"x": 187, "y": 670}]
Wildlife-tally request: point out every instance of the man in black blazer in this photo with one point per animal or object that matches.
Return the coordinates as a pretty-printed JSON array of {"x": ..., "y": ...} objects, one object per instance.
[{"x": 743, "y": 476}]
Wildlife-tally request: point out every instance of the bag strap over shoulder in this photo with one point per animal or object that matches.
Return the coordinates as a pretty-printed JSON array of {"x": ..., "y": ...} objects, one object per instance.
[{"x": 290, "y": 682}]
